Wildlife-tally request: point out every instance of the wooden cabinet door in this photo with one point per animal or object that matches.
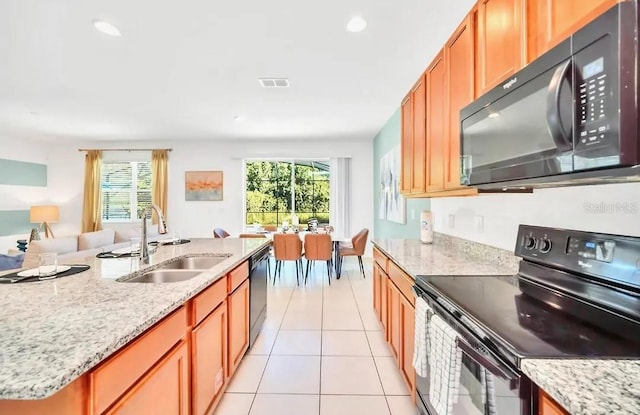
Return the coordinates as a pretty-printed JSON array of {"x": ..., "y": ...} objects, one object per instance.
[
  {"x": 376, "y": 290},
  {"x": 406, "y": 145},
  {"x": 551, "y": 21},
  {"x": 436, "y": 123},
  {"x": 549, "y": 407},
  {"x": 209, "y": 359},
  {"x": 408, "y": 316},
  {"x": 459, "y": 58},
  {"x": 384, "y": 302},
  {"x": 164, "y": 390},
  {"x": 418, "y": 99},
  {"x": 238, "y": 337},
  {"x": 394, "y": 321},
  {"x": 500, "y": 49}
]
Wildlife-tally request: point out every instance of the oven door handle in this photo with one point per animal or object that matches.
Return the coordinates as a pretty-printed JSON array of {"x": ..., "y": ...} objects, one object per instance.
[
  {"x": 562, "y": 139},
  {"x": 504, "y": 373}
]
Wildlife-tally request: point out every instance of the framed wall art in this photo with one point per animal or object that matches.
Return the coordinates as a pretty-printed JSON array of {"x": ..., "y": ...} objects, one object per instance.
[{"x": 203, "y": 186}]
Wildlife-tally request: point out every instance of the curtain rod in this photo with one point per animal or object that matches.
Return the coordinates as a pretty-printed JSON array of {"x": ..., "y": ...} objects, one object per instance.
[{"x": 124, "y": 149}]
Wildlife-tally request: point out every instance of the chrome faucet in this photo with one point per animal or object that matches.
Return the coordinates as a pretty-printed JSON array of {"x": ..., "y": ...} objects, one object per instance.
[{"x": 162, "y": 229}]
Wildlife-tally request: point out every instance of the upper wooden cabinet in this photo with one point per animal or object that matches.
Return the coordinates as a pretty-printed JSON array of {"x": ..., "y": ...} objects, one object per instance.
[
  {"x": 459, "y": 58},
  {"x": 418, "y": 95},
  {"x": 436, "y": 123},
  {"x": 551, "y": 21},
  {"x": 406, "y": 146},
  {"x": 500, "y": 49}
]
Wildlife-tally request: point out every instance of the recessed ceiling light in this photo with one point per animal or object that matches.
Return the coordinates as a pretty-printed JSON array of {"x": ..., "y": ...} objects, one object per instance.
[
  {"x": 494, "y": 114},
  {"x": 356, "y": 24},
  {"x": 106, "y": 28},
  {"x": 238, "y": 118}
]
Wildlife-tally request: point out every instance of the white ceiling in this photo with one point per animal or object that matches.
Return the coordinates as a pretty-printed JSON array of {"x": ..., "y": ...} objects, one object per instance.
[{"x": 184, "y": 69}]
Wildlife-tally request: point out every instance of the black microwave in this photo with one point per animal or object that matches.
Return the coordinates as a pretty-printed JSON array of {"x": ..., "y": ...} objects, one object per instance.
[{"x": 570, "y": 117}]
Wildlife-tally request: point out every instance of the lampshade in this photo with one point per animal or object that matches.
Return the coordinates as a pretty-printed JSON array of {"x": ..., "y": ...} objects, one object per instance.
[{"x": 40, "y": 214}]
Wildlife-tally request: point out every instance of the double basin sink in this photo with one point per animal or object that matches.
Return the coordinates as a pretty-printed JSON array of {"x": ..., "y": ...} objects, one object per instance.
[{"x": 179, "y": 270}]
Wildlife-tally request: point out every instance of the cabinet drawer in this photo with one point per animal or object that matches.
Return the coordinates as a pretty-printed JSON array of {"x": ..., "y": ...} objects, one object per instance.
[
  {"x": 209, "y": 299},
  {"x": 402, "y": 281},
  {"x": 113, "y": 377},
  {"x": 238, "y": 275},
  {"x": 381, "y": 259}
]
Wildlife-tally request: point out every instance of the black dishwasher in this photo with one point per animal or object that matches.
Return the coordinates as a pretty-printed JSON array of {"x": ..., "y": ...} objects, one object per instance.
[{"x": 258, "y": 278}]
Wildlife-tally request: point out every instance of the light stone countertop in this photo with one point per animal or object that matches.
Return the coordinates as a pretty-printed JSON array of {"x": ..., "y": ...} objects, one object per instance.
[
  {"x": 589, "y": 386},
  {"x": 52, "y": 332},
  {"x": 581, "y": 386}
]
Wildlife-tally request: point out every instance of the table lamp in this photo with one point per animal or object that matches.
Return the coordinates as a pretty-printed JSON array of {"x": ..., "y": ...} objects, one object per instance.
[{"x": 44, "y": 215}]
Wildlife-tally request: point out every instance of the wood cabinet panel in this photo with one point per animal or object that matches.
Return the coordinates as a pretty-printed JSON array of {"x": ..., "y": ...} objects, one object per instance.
[
  {"x": 418, "y": 97},
  {"x": 402, "y": 281},
  {"x": 436, "y": 123},
  {"x": 376, "y": 289},
  {"x": 394, "y": 321},
  {"x": 407, "y": 315},
  {"x": 406, "y": 146},
  {"x": 459, "y": 58},
  {"x": 205, "y": 302},
  {"x": 71, "y": 400},
  {"x": 238, "y": 275},
  {"x": 499, "y": 42},
  {"x": 209, "y": 362},
  {"x": 381, "y": 259},
  {"x": 384, "y": 303},
  {"x": 549, "y": 407},
  {"x": 164, "y": 390},
  {"x": 551, "y": 21},
  {"x": 114, "y": 376},
  {"x": 238, "y": 330}
]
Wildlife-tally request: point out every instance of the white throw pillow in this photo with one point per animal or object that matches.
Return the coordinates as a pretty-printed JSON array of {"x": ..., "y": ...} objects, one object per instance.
[
  {"x": 57, "y": 245},
  {"x": 91, "y": 240}
]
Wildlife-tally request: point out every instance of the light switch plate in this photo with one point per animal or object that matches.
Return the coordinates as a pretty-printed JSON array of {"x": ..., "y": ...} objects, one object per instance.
[
  {"x": 479, "y": 223},
  {"x": 451, "y": 221}
]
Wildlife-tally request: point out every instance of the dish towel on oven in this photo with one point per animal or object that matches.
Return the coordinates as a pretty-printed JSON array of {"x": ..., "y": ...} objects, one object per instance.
[
  {"x": 487, "y": 382},
  {"x": 421, "y": 337},
  {"x": 445, "y": 364}
]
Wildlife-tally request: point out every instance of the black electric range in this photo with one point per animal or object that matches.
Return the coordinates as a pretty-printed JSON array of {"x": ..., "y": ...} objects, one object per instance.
[{"x": 576, "y": 295}]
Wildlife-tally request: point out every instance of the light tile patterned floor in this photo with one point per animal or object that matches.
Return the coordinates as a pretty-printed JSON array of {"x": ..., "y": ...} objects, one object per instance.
[{"x": 321, "y": 352}]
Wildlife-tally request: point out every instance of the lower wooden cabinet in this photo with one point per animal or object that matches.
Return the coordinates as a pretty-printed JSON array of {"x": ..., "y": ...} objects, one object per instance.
[
  {"x": 164, "y": 390},
  {"x": 393, "y": 319},
  {"x": 209, "y": 361},
  {"x": 238, "y": 306},
  {"x": 408, "y": 317},
  {"x": 548, "y": 406}
]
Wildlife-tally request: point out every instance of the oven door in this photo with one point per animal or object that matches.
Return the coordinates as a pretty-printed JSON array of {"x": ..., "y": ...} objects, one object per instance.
[{"x": 486, "y": 385}]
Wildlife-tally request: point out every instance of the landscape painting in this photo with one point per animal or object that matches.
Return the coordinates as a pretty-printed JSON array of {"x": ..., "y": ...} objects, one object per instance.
[
  {"x": 203, "y": 186},
  {"x": 391, "y": 204}
]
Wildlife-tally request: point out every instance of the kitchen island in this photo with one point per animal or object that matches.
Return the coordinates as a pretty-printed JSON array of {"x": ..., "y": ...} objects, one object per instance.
[
  {"x": 587, "y": 386},
  {"x": 54, "y": 332}
]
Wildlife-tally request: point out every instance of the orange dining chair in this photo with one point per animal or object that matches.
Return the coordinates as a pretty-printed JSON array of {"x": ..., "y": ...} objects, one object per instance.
[
  {"x": 318, "y": 247},
  {"x": 358, "y": 243},
  {"x": 220, "y": 233},
  {"x": 270, "y": 228},
  {"x": 258, "y": 235},
  {"x": 287, "y": 247}
]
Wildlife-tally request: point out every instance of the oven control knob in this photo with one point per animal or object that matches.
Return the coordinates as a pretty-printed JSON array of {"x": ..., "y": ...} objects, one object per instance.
[
  {"x": 545, "y": 245},
  {"x": 529, "y": 242}
]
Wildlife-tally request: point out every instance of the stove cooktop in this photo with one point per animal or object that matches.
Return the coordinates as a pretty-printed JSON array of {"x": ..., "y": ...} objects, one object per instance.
[{"x": 524, "y": 325}]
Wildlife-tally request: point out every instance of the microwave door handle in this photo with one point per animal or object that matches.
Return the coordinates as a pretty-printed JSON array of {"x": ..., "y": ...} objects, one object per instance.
[
  {"x": 514, "y": 379},
  {"x": 558, "y": 131}
]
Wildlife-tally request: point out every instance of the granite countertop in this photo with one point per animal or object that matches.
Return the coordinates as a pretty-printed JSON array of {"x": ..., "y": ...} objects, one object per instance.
[
  {"x": 52, "y": 332},
  {"x": 589, "y": 386},
  {"x": 416, "y": 258},
  {"x": 581, "y": 386}
]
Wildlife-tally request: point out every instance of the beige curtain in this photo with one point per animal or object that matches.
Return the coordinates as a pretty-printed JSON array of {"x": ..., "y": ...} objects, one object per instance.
[
  {"x": 92, "y": 206},
  {"x": 159, "y": 166}
]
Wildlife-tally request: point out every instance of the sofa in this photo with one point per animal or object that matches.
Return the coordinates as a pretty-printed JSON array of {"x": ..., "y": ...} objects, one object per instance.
[{"x": 85, "y": 245}]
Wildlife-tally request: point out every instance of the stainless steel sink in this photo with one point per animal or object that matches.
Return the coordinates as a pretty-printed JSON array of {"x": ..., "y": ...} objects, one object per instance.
[
  {"x": 164, "y": 275},
  {"x": 195, "y": 262}
]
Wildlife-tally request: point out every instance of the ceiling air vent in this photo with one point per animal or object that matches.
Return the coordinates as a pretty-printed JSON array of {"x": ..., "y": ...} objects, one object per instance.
[{"x": 274, "y": 82}]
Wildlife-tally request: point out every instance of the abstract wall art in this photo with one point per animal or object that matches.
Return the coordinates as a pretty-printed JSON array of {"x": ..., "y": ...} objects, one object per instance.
[
  {"x": 391, "y": 205},
  {"x": 203, "y": 186}
]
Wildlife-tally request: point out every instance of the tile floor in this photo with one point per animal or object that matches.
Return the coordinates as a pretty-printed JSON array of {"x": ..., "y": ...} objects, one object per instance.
[{"x": 321, "y": 352}]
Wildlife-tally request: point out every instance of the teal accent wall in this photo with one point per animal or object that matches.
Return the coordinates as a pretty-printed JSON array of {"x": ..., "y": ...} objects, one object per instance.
[
  {"x": 385, "y": 140},
  {"x": 14, "y": 222},
  {"x": 22, "y": 173}
]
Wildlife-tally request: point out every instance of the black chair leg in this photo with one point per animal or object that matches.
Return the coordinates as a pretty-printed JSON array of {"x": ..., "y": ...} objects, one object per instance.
[
  {"x": 297, "y": 274},
  {"x": 339, "y": 268},
  {"x": 361, "y": 266},
  {"x": 268, "y": 269},
  {"x": 306, "y": 274},
  {"x": 329, "y": 271}
]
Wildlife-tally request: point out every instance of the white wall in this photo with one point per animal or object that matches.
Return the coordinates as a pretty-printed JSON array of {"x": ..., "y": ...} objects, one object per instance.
[
  {"x": 198, "y": 219},
  {"x": 21, "y": 197},
  {"x": 613, "y": 208}
]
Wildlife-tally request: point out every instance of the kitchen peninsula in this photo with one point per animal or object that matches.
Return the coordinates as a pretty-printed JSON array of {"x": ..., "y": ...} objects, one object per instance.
[{"x": 88, "y": 343}]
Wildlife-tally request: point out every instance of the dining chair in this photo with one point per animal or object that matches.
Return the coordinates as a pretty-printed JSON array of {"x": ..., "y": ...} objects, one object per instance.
[
  {"x": 260, "y": 235},
  {"x": 270, "y": 228},
  {"x": 358, "y": 243},
  {"x": 287, "y": 247},
  {"x": 220, "y": 233},
  {"x": 318, "y": 247}
]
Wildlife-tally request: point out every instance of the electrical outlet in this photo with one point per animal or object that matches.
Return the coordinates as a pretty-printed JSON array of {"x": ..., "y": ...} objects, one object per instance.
[
  {"x": 451, "y": 221},
  {"x": 479, "y": 223}
]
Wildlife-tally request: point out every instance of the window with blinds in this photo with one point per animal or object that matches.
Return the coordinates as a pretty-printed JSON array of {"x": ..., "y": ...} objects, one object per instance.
[{"x": 126, "y": 189}]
